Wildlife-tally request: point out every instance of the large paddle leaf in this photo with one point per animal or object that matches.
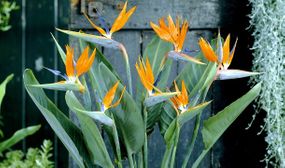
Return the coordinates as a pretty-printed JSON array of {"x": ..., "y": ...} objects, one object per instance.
[
  {"x": 90, "y": 131},
  {"x": 216, "y": 125},
  {"x": 69, "y": 134}
]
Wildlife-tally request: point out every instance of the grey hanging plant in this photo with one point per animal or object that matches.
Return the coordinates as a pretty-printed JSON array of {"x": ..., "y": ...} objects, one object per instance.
[
  {"x": 6, "y": 7},
  {"x": 268, "y": 20}
]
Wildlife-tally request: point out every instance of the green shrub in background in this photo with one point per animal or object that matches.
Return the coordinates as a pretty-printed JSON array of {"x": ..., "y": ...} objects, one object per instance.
[
  {"x": 34, "y": 158},
  {"x": 6, "y": 8},
  {"x": 267, "y": 19}
]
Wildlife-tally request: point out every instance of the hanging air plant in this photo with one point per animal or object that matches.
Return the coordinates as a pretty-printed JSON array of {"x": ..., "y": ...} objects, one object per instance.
[{"x": 267, "y": 19}]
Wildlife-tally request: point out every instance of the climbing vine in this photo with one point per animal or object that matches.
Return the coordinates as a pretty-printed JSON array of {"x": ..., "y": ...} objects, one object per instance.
[{"x": 268, "y": 21}]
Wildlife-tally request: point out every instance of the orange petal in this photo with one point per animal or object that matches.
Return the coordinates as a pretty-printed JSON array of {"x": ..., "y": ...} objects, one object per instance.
[
  {"x": 182, "y": 36},
  {"x": 84, "y": 63},
  {"x": 232, "y": 52},
  {"x": 184, "y": 94},
  {"x": 149, "y": 72},
  {"x": 69, "y": 67},
  {"x": 110, "y": 95},
  {"x": 207, "y": 50},
  {"x": 162, "y": 33},
  {"x": 226, "y": 50},
  {"x": 118, "y": 101},
  {"x": 122, "y": 18},
  {"x": 101, "y": 31}
]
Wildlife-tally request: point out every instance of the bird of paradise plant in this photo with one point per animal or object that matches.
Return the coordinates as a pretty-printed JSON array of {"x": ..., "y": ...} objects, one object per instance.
[{"x": 129, "y": 121}]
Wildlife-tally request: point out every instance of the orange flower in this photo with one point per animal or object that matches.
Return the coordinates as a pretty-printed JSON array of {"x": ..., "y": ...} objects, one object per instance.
[
  {"x": 146, "y": 75},
  {"x": 223, "y": 56},
  {"x": 180, "y": 101},
  {"x": 118, "y": 23},
  {"x": 83, "y": 63},
  {"x": 109, "y": 97},
  {"x": 171, "y": 32}
]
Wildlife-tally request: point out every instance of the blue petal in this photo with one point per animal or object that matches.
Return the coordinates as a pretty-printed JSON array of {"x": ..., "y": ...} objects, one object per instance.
[{"x": 56, "y": 72}]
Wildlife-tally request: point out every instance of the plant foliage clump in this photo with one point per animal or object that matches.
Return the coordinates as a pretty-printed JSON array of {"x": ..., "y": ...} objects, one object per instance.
[
  {"x": 6, "y": 8},
  {"x": 267, "y": 18},
  {"x": 34, "y": 158}
]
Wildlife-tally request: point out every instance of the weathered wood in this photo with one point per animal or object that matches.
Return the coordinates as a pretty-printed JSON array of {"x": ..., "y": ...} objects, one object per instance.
[{"x": 200, "y": 14}]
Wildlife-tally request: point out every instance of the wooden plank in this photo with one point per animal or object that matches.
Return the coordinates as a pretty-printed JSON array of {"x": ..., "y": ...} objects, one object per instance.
[
  {"x": 200, "y": 14},
  {"x": 39, "y": 46}
]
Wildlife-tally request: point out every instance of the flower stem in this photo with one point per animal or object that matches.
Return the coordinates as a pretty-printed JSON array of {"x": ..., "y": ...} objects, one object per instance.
[
  {"x": 128, "y": 69},
  {"x": 177, "y": 133},
  {"x": 117, "y": 145},
  {"x": 130, "y": 158},
  {"x": 195, "y": 133},
  {"x": 145, "y": 150}
]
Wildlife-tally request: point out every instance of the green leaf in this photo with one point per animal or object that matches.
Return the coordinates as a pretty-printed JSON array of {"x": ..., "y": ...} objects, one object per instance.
[
  {"x": 158, "y": 98},
  {"x": 100, "y": 40},
  {"x": 90, "y": 131},
  {"x": 127, "y": 116},
  {"x": 18, "y": 136},
  {"x": 3, "y": 87},
  {"x": 191, "y": 113},
  {"x": 215, "y": 126},
  {"x": 59, "y": 49},
  {"x": 59, "y": 86},
  {"x": 69, "y": 134}
]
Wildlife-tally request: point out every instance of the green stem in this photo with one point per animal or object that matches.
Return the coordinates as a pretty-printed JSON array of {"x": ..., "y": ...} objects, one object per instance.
[
  {"x": 117, "y": 145},
  {"x": 166, "y": 157},
  {"x": 192, "y": 142},
  {"x": 128, "y": 69},
  {"x": 130, "y": 157},
  {"x": 177, "y": 133},
  {"x": 195, "y": 133},
  {"x": 140, "y": 159},
  {"x": 145, "y": 150}
]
